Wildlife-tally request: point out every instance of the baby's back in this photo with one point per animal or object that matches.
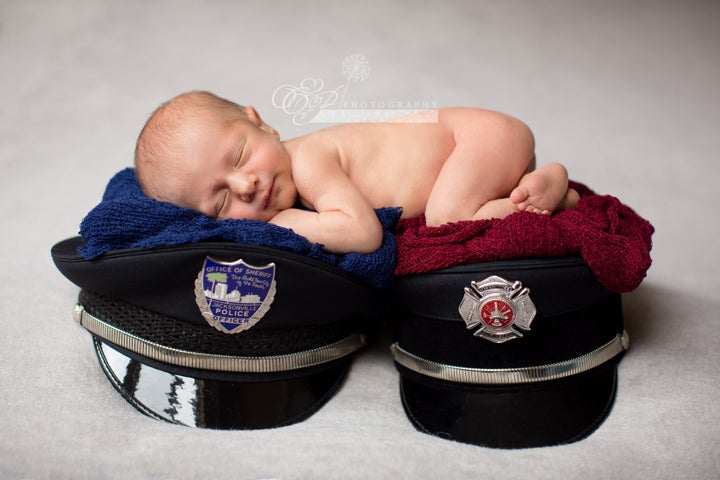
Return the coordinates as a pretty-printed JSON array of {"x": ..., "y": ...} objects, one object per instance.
[{"x": 396, "y": 163}]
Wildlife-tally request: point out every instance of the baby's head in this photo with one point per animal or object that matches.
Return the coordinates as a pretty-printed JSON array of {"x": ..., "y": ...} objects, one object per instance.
[{"x": 212, "y": 155}]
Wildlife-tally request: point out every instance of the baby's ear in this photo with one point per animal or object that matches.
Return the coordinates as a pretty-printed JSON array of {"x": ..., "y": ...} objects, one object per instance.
[{"x": 254, "y": 116}]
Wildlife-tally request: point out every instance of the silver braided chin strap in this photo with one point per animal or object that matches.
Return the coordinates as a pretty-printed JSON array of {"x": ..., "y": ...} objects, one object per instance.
[
  {"x": 512, "y": 376},
  {"x": 208, "y": 361}
]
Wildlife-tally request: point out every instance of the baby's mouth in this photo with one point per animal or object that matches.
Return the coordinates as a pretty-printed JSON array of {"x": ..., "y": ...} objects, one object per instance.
[{"x": 268, "y": 195}]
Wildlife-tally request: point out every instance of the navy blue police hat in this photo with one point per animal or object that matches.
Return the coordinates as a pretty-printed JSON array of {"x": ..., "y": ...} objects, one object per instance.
[
  {"x": 218, "y": 334},
  {"x": 508, "y": 354}
]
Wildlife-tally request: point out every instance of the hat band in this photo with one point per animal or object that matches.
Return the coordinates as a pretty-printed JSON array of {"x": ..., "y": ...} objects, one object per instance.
[
  {"x": 512, "y": 376},
  {"x": 209, "y": 361}
]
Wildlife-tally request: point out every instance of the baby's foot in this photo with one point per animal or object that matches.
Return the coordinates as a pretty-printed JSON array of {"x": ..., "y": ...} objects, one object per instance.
[{"x": 544, "y": 191}]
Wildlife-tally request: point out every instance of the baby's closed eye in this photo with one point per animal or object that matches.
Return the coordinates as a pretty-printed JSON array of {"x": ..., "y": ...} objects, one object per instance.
[{"x": 240, "y": 157}]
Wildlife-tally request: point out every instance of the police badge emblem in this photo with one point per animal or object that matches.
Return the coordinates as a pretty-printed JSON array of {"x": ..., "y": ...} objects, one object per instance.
[
  {"x": 234, "y": 296},
  {"x": 497, "y": 307}
]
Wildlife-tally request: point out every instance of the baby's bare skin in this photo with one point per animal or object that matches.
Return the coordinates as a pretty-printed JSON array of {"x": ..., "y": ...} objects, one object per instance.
[
  {"x": 442, "y": 169},
  {"x": 537, "y": 191},
  {"x": 469, "y": 164}
]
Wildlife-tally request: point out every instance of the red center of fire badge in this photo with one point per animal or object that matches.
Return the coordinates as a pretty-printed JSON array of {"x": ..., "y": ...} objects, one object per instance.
[
  {"x": 495, "y": 307},
  {"x": 497, "y": 313}
]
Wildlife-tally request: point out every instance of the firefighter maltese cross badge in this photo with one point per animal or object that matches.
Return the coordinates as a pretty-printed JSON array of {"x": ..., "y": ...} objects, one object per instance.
[
  {"x": 497, "y": 307},
  {"x": 234, "y": 296}
]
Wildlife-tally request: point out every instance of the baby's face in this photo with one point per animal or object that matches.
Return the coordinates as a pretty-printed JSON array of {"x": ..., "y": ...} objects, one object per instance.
[{"x": 233, "y": 170}]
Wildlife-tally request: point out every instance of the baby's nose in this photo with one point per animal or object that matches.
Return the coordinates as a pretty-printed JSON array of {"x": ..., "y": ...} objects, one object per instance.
[{"x": 244, "y": 185}]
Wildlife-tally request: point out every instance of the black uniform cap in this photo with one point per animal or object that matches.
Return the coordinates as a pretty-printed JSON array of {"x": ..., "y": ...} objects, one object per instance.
[
  {"x": 552, "y": 384},
  {"x": 162, "y": 355}
]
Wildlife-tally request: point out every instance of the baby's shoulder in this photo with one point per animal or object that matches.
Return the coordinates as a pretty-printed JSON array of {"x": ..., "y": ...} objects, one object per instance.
[
  {"x": 312, "y": 155},
  {"x": 314, "y": 146}
]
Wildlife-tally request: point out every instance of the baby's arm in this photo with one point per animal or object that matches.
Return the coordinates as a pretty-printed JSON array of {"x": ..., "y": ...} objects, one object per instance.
[{"x": 344, "y": 220}]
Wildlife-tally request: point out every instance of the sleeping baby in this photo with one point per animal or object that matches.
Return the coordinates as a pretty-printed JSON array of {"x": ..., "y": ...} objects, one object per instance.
[{"x": 209, "y": 154}]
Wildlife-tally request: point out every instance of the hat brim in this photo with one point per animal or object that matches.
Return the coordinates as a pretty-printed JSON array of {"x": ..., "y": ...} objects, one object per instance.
[
  {"x": 519, "y": 416},
  {"x": 229, "y": 401}
]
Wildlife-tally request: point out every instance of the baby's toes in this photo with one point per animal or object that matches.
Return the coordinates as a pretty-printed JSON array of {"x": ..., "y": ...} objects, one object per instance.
[{"x": 518, "y": 197}]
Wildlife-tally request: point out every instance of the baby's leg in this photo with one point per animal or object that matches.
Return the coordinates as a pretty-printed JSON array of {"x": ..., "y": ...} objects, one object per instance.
[
  {"x": 478, "y": 176},
  {"x": 544, "y": 190}
]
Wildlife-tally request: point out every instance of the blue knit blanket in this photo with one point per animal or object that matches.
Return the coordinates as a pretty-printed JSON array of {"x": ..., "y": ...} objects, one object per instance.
[{"x": 126, "y": 218}]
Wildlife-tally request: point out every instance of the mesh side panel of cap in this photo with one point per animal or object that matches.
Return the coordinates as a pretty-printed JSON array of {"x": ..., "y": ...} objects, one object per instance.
[{"x": 206, "y": 339}]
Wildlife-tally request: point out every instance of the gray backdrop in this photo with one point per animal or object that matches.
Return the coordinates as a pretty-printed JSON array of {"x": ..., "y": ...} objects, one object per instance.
[{"x": 623, "y": 93}]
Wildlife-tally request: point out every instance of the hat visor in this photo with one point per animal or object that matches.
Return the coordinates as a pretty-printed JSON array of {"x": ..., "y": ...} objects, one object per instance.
[
  {"x": 219, "y": 401},
  {"x": 519, "y": 416}
]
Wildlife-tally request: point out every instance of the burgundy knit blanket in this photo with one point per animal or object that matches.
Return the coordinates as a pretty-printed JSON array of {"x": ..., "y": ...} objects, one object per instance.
[{"x": 612, "y": 239}]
